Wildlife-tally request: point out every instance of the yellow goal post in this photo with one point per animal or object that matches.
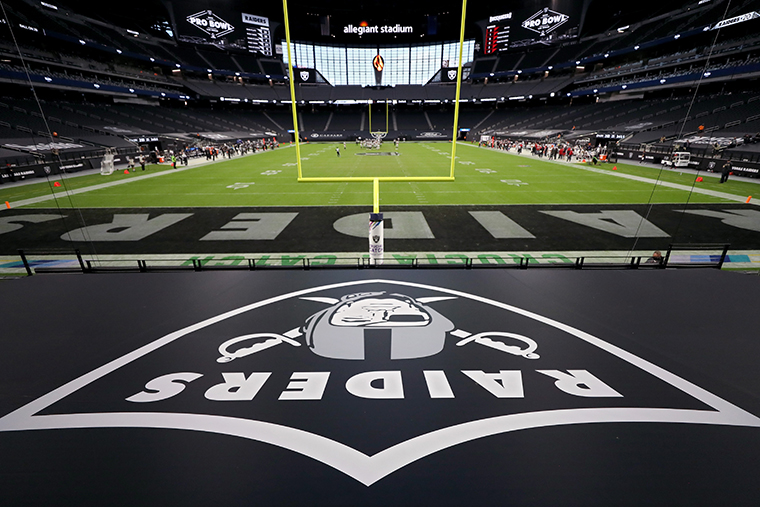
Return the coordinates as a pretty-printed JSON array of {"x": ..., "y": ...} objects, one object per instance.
[{"x": 374, "y": 179}]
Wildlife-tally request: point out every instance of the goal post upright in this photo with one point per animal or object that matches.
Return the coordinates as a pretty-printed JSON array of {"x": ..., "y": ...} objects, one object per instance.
[
  {"x": 387, "y": 113},
  {"x": 454, "y": 134},
  {"x": 292, "y": 89}
]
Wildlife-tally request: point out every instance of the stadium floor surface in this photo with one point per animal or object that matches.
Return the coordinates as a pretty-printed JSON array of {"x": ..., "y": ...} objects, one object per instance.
[{"x": 523, "y": 387}]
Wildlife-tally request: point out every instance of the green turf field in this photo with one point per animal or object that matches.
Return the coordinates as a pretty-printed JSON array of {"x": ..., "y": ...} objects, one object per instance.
[{"x": 482, "y": 177}]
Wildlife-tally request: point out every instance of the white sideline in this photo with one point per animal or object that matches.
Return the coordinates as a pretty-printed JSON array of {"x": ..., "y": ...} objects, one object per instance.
[
  {"x": 69, "y": 193},
  {"x": 712, "y": 193}
]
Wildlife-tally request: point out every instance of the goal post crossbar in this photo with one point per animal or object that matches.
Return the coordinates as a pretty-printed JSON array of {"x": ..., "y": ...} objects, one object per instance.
[{"x": 349, "y": 179}]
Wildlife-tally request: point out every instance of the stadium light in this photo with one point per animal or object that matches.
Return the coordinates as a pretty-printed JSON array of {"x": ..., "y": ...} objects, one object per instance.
[
  {"x": 624, "y": 87},
  {"x": 82, "y": 42},
  {"x": 48, "y": 79},
  {"x": 577, "y": 62},
  {"x": 662, "y": 81},
  {"x": 677, "y": 36},
  {"x": 152, "y": 59},
  {"x": 131, "y": 90},
  {"x": 96, "y": 85},
  {"x": 119, "y": 51},
  {"x": 708, "y": 74},
  {"x": 636, "y": 48}
]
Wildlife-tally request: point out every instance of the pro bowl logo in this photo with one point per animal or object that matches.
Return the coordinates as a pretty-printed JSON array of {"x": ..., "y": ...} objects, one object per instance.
[
  {"x": 214, "y": 26},
  {"x": 545, "y": 21},
  {"x": 368, "y": 376}
]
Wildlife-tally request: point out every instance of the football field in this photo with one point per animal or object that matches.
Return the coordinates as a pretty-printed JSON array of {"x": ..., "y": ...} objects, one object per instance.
[{"x": 483, "y": 177}]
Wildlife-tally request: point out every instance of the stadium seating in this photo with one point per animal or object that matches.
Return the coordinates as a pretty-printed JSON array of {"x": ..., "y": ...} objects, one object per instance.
[{"x": 561, "y": 88}]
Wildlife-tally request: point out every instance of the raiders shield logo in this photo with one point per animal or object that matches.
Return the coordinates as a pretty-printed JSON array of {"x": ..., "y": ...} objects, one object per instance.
[
  {"x": 304, "y": 75},
  {"x": 400, "y": 369},
  {"x": 452, "y": 75},
  {"x": 375, "y": 238}
]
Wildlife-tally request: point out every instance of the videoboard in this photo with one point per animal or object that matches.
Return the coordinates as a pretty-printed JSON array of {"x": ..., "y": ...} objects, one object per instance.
[
  {"x": 531, "y": 22},
  {"x": 208, "y": 23}
]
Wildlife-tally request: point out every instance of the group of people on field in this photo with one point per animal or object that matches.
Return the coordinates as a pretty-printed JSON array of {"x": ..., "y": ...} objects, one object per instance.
[
  {"x": 181, "y": 156},
  {"x": 553, "y": 151}
]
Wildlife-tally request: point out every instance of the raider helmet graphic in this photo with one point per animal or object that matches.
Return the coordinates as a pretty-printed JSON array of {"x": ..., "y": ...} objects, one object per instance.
[
  {"x": 340, "y": 331},
  {"x": 361, "y": 326}
]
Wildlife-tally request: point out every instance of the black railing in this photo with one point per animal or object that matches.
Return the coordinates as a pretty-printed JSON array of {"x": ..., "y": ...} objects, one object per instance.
[{"x": 87, "y": 266}]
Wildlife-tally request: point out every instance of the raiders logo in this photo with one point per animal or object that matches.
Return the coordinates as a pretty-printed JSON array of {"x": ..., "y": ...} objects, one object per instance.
[
  {"x": 396, "y": 371},
  {"x": 304, "y": 75}
]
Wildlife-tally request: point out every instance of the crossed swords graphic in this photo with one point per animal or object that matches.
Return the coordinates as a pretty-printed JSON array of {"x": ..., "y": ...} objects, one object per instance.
[
  {"x": 274, "y": 339},
  {"x": 486, "y": 339}
]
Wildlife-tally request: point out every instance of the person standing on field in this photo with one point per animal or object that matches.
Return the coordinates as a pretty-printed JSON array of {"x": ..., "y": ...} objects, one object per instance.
[{"x": 725, "y": 171}]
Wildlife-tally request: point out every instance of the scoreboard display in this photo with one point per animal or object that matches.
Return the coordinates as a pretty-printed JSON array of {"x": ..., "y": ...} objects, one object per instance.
[
  {"x": 258, "y": 35},
  {"x": 531, "y": 22},
  {"x": 497, "y": 33}
]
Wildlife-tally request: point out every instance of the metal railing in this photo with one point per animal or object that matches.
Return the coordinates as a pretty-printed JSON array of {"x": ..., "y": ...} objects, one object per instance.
[{"x": 75, "y": 262}]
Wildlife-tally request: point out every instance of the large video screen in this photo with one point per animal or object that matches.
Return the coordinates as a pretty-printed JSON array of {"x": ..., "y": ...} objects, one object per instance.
[
  {"x": 531, "y": 22},
  {"x": 413, "y": 64},
  {"x": 211, "y": 23}
]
